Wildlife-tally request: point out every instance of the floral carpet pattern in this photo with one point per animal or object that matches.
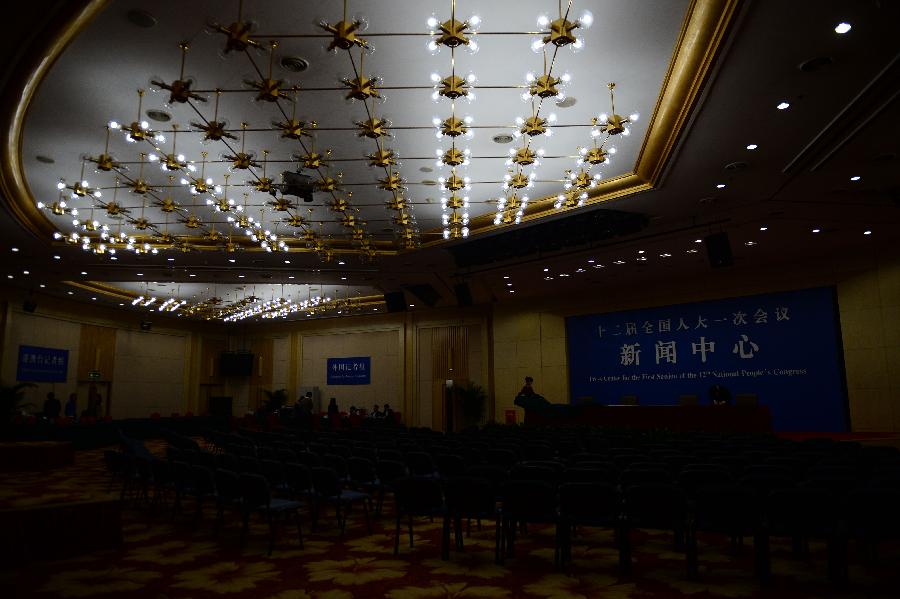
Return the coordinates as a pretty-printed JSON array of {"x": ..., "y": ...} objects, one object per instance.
[{"x": 163, "y": 558}]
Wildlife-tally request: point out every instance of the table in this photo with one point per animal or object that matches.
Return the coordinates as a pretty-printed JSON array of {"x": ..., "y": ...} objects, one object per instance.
[{"x": 675, "y": 418}]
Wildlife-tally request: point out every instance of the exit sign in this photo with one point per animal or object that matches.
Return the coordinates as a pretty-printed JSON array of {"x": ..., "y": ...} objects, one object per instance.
[{"x": 94, "y": 375}]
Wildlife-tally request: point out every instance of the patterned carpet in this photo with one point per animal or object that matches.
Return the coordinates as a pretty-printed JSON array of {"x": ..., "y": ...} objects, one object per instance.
[{"x": 162, "y": 558}]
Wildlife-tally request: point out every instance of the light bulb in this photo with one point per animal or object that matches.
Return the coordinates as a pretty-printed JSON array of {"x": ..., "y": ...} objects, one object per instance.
[
  {"x": 565, "y": 78},
  {"x": 468, "y": 120},
  {"x": 586, "y": 19},
  {"x": 113, "y": 125},
  {"x": 578, "y": 45},
  {"x": 529, "y": 77},
  {"x": 435, "y": 77},
  {"x": 432, "y": 47},
  {"x": 432, "y": 22},
  {"x": 474, "y": 20},
  {"x": 537, "y": 45},
  {"x": 60, "y": 185},
  {"x": 552, "y": 117},
  {"x": 633, "y": 117},
  {"x": 473, "y": 47},
  {"x": 543, "y": 20},
  {"x": 145, "y": 125},
  {"x": 471, "y": 78},
  {"x": 436, "y": 122}
]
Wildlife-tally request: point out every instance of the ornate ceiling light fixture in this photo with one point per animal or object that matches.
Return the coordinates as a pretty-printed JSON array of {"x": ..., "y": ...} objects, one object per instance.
[
  {"x": 59, "y": 207},
  {"x": 361, "y": 87},
  {"x": 171, "y": 161},
  {"x": 294, "y": 128},
  {"x": 80, "y": 188},
  {"x": 139, "y": 129},
  {"x": 268, "y": 89},
  {"x": 224, "y": 203},
  {"x": 452, "y": 33},
  {"x": 214, "y": 130},
  {"x": 263, "y": 184},
  {"x": 242, "y": 160},
  {"x": 105, "y": 162},
  {"x": 510, "y": 209},
  {"x": 546, "y": 85},
  {"x": 612, "y": 123},
  {"x": 345, "y": 33},
  {"x": 180, "y": 89},
  {"x": 561, "y": 30},
  {"x": 202, "y": 184},
  {"x": 140, "y": 185},
  {"x": 237, "y": 34}
]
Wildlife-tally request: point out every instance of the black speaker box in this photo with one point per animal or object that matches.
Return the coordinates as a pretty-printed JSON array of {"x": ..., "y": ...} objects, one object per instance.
[
  {"x": 146, "y": 325},
  {"x": 718, "y": 248},
  {"x": 463, "y": 294},
  {"x": 425, "y": 292},
  {"x": 29, "y": 305},
  {"x": 395, "y": 301}
]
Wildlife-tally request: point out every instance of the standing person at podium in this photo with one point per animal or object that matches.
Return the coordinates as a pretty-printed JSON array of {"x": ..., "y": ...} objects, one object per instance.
[{"x": 527, "y": 389}]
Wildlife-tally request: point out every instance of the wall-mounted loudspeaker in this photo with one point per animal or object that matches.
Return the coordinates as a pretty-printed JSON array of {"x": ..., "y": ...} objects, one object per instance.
[
  {"x": 718, "y": 249},
  {"x": 463, "y": 294},
  {"x": 427, "y": 294},
  {"x": 395, "y": 301},
  {"x": 29, "y": 305},
  {"x": 146, "y": 325}
]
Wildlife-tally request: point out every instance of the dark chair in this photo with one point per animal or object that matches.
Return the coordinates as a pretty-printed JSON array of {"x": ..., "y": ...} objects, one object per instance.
[
  {"x": 329, "y": 489},
  {"x": 450, "y": 465},
  {"x": 505, "y": 458},
  {"x": 526, "y": 501},
  {"x": 228, "y": 492},
  {"x": 115, "y": 464},
  {"x": 542, "y": 473},
  {"x": 421, "y": 464},
  {"x": 309, "y": 459},
  {"x": 203, "y": 486},
  {"x": 255, "y": 495},
  {"x": 418, "y": 497},
  {"x": 470, "y": 497},
  {"x": 388, "y": 471},
  {"x": 589, "y": 474},
  {"x": 591, "y": 504},
  {"x": 872, "y": 517},
  {"x": 660, "y": 506}
]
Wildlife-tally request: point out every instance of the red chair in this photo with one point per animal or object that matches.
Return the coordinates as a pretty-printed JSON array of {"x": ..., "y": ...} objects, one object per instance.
[
  {"x": 155, "y": 416},
  {"x": 398, "y": 418},
  {"x": 107, "y": 419},
  {"x": 175, "y": 415},
  {"x": 188, "y": 414}
]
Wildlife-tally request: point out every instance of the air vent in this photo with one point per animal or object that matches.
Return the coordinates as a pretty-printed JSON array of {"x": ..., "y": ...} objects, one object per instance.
[
  {"x": 159, "y": 115},
  {"x": 736, "y": 166},
  {"x": 141, "y": 18},
  {"x": 44, "y": 159},
  {"x": 567, "y": 102},
  {"x": 294, "y": 64},
  {"x": 502, "y": 138},
  {"x": 425, "y": 169},
  {"x": 429, "y": 182}
]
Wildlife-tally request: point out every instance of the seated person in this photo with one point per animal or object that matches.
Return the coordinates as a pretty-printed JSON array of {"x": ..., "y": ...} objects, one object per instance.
[
  {"x": 719, "y": 395},
  {"x": 388, "y": 412},
  {"x": 376, "y": 412}
]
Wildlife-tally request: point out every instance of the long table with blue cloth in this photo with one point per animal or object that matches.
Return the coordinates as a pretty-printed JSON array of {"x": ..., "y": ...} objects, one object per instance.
[{"x": 747, "y": 419}]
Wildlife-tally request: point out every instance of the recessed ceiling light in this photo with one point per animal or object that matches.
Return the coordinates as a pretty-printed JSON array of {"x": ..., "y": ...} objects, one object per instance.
[
  {"x": 867, "y": 232},
  {"x": 579, "y": 270},
  {"x": 752, "y": 146},
  {"x": 665, "y": 255},
  {"x": 343, "y": 278},
  {"x": 160, "y": 116},
  {"x": 141, "y": 18},
  {"x": 15, "y": 249},
  {"x": 374, "y": 309},
  {"x": 113, "y": 258},
  {"x": 287, "y": 261},
  {"x": 124, "y": 304},
  {"x": 783, "y": 106},
  {"x": 599, "y": 266},
  {"x": 548, "y": 278},
  {"x": 640, "y": 251},
  {"x": 412, "y": 305},
  {"x": 562, "y": 274},
  {"x": 171, "y": 259},
  {"x": 25, "y": 272},
  {"x": 546, "y": 270},
  {"x": 290, "y": 276},
  {"x": 44, "y": 286},
  {"x": 591, "y": 261},
  {"x": 720, "y": 186},
  {"x": 698, "y": 241},
  {"x": 816, "y": 230},
  {"x": 692, "y": 251},
  {"x": 567, "y": 102},
  {"x": 192, "y": 275},
  {"x": 749, "y": 243},
  {"x": 505, "y": 276},
  {"x": 83, "y": 273},
  {"x": 509, "y": 284},
  {"x": 425, "y": 169},
  {"x": 140, "y": 274},
  {"x": 9, "y": 276},
  {"x": 94, "y": 298},
  {"x": 512, "y": 290},
  {"x": 240, "y": 276},
  {"x": 231, "y": 260},
  {"x": 855, "y": 178},
  {"x": 341, "y": 262},
  {"x": 71, "y": 292},
  {"x": 57, "y": 257},
  {"x": 642, "y": 259},
  {"x": 619, "y": 262},
  {"x": 842, "y": 28},
  {"x": 764, "y": 228}
]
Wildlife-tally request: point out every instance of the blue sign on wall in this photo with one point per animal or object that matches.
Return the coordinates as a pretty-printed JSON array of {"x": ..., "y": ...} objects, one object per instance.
[
  {"x": 783, "y": 347},
  {"x": 42, "y": 364},
  {"x": 350, "y": 371}
]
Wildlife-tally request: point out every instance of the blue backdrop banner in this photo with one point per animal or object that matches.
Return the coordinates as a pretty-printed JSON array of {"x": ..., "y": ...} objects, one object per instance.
[
  {"x": 350, "y": 371},
  {"x": 783, "y": 347},
  {"x": 42, "y": 364}
]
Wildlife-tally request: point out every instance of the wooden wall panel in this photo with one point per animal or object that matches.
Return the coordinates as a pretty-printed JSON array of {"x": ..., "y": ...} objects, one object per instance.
[
  {"x": 261, "y": 378},
  {"x": 449, "y": 360},
  {"x": 96, "y": 351}
]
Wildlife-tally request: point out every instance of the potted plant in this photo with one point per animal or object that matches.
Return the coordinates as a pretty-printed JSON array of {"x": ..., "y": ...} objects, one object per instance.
[
  {"x": 12, "y": 401},
  {"x": 472, "y": 400},
  {"x": 274, "y": 400}
]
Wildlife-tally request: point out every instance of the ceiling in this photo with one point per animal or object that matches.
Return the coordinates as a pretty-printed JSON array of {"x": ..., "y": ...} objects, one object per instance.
[{"x": 841, "y": 88}]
